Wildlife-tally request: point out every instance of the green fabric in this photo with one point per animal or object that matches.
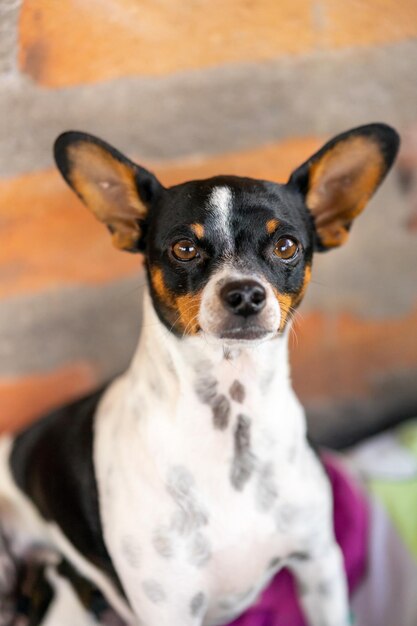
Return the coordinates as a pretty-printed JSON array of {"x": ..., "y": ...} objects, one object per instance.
[
  {"x": 399, "y": 497},
  {"x": 408, "y": 436},
  {"x": 400, "y": 501}
]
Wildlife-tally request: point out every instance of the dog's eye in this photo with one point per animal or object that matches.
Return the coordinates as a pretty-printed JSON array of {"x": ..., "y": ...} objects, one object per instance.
[
  {"x": 286, "y": 248},
  {"x": 184, "y": 250}
]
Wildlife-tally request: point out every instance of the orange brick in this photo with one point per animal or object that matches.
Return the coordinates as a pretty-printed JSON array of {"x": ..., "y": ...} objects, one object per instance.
[
  {"x": 271, "y": 162},
  {"x": 71, "y": 42},
  {"x": 24, "y": 399},
  {"x": 365, "y": 22},
  {"x": 48, "y": 238},
  {"x": 342, "y": 357}
]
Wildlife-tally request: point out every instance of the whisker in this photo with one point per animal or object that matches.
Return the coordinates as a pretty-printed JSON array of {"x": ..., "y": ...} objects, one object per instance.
[
  {"x": 190, "y": 323},
  {"x": 316, "y": 282},
  {"x": 177, "y": 319}
]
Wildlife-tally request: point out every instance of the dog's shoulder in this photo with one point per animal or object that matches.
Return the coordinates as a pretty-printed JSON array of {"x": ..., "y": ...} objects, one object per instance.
[
  {"x": 67, "y": 430},
  {"x": 52, "y": 463}
]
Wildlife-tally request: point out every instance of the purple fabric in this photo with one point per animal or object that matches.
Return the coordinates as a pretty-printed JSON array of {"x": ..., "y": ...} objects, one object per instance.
[{"x": 278, "y": 605}]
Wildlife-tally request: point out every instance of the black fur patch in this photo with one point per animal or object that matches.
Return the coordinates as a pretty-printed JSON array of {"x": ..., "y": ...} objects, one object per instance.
[
  {"x": 34, "y": 596},
  {"x": 52, "y": 463}
]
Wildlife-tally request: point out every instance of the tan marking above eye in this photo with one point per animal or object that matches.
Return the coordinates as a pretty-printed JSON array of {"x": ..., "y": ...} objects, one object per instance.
[
  {"x": 198, "y": 230},
  {"x": 271, "y": 226},
  {"x": 286, "y": 248},
  {"x": 184, "y": 250}
]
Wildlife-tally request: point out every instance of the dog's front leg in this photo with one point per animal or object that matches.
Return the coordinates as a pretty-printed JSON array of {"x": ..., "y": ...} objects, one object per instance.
[{"x": 322, "y": 585}]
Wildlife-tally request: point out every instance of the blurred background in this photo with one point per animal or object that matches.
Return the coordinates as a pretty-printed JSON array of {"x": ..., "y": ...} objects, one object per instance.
[{"x": 197, "y": 88}]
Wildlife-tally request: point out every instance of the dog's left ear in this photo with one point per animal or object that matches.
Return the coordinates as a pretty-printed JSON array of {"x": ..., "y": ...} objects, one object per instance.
[
  {"x": 117, "y": 191},
  {"x": 338, "y": 180}
]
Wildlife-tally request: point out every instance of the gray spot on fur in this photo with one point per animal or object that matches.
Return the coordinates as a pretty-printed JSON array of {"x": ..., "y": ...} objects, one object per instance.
[
  {"x": 299, "y": 556},
  {"x": 197, "y": 603},
  {"x": 221, "y": 411},
  {"x": 187, "y": 519},
  {"x": 275, "y": 562},
  {"x": 325, "y": 587},
  {"x": 162, "y": 542},
  {"x": 130, "y": 551},
  {"x": 303, "y": 588},
  {"x": 286, "y": 516},
  {"x": 234, "y": 600},
  {"x": 180, "y": 482},
  {"x": 200, "y": 551},
  {"x": 189, "y": 514},
  {"x": 243, "y": 461},
  {"x": 237, "y": 392},
  {"x": 206, "y": 389},
  {"x": 153, "y": 591},
  {"x": 267, "y": 492}
]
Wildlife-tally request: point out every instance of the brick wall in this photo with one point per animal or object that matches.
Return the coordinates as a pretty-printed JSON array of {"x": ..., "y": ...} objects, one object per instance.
[{"x": 194, "y": 89}]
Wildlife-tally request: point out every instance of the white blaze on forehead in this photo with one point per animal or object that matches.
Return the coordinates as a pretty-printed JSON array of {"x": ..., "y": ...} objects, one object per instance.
[{"x": 220, "y": 206}]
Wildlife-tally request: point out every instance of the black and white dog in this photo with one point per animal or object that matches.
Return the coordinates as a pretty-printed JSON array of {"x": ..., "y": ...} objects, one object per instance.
[{"x": 175, "y": 494}]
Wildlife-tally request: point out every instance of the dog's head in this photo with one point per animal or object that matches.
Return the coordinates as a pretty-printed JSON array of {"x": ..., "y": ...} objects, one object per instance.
[{"x": 229, "y": 257}]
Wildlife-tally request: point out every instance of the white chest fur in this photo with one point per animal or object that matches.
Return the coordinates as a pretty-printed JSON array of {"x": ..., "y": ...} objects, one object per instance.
[{"x": 204, "y": 476}]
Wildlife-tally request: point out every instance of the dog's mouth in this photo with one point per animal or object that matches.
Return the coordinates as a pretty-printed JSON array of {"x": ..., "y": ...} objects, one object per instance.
[{"x": 245, "y": 333}]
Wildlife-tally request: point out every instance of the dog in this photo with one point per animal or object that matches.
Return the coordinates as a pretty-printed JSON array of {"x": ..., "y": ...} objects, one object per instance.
[{"x": 179, "y": 490}]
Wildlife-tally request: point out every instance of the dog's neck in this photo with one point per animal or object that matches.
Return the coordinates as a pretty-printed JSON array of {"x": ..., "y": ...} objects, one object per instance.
[
  {"x": 189, "y": 402},
  {"x": 189, "y": 367}
]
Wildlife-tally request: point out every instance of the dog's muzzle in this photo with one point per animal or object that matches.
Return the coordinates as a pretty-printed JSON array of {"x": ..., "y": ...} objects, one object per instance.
[{"x": 239, "y": 308}]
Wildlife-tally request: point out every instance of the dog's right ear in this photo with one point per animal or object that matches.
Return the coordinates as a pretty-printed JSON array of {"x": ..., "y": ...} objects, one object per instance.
[{"x": 118, "y": 192}]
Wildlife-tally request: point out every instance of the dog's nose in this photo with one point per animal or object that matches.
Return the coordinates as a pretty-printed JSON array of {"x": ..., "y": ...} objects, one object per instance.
[{"x": 243, "y": 297}]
